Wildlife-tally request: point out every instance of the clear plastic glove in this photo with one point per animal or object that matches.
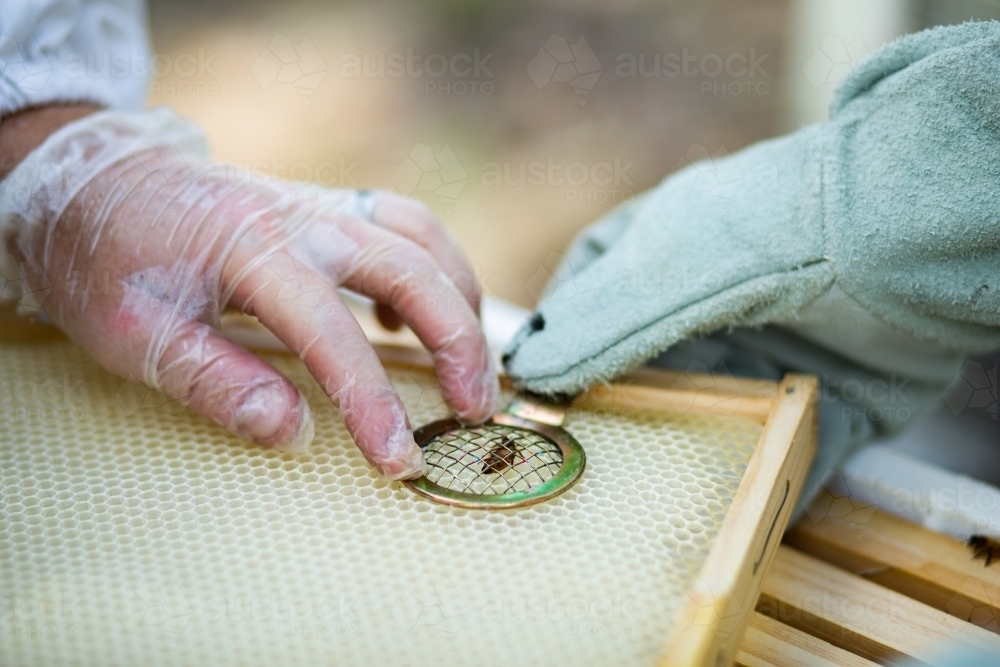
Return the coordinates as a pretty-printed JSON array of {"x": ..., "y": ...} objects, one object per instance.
[{"x": 133, "y": 198}]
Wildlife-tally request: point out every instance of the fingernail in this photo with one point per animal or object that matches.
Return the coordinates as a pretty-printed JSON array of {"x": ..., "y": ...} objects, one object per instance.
[
  {"x": 491, "y": 392},
  {"x": 264, "y": 414},
  {"x": 299, "y": 443},
  {"x": 488, "y": 385},
  {"x": 408, "y": 469},
  {"x": 403, "y": 458}
]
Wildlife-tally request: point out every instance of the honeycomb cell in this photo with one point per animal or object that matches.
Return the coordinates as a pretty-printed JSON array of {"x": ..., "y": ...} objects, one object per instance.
[{"x": 134, "y": 532}]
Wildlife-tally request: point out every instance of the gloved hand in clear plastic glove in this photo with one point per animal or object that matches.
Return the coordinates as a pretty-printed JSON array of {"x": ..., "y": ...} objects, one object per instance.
[{"x": 133, "y": 197}]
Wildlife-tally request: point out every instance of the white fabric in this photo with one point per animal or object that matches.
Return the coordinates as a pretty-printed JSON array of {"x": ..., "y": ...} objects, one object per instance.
[{"x": 54, "y": 51}]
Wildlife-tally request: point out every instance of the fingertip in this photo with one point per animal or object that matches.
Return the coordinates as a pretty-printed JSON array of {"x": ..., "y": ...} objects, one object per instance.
[
  {"x": 470, "y": 389},
  {"x": 276, "y": 416},
  {"x": 484, "y": 401},
  {"x": 304, "y": 434},
  {"x": 491, "y": 394},
  {"x": 381, "y": 429},
  {"x": 400, "y": 457},
  {"x": 408, "y": 469}
]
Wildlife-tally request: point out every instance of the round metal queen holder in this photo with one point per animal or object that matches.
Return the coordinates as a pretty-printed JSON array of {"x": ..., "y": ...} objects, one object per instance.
[{"x": 519, "y": 457}]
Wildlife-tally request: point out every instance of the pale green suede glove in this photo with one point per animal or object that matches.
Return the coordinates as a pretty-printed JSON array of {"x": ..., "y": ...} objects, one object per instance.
[
  {"x": 875, "y": 238},
  {"x": 894, "y": 201}
]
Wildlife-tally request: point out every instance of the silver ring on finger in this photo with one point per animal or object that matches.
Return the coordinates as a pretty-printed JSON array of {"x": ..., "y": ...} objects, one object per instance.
[{"x": 365, "y": 204}]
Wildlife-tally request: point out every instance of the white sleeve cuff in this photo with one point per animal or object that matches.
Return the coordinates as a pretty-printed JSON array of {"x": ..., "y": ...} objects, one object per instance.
[{"x": 59, "y": 51}]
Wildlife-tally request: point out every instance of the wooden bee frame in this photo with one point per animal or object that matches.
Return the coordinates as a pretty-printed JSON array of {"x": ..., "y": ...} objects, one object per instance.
[{"x": 709, "y": 626}]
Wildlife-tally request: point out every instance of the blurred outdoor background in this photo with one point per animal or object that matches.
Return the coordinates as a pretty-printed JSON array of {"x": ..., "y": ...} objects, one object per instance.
[{"x": 518, "y": 121}]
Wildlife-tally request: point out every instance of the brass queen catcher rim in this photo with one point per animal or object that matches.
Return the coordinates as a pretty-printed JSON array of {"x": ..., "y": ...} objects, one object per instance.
[{"x": 518, "y": 458}]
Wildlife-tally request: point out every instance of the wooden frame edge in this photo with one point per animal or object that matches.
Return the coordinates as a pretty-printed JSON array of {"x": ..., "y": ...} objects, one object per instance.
[
  {"x": 651, "y": 388},
  {"x": 708, "y": 627}
]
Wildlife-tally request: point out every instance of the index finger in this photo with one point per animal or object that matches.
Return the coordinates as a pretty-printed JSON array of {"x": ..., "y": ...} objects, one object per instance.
[{"x": 304, "y": 310}]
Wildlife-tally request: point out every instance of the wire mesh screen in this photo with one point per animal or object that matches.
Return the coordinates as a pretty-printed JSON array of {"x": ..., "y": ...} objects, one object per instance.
[{"x": 492, "y": 459}]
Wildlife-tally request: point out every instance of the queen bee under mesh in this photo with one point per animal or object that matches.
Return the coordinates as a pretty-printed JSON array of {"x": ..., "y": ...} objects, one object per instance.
[{"x": 510, "y": 461}]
